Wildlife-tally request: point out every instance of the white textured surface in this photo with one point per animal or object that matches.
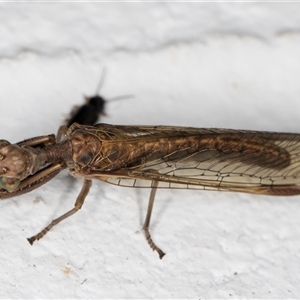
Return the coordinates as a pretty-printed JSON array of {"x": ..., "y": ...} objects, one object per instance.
[{"x": 233, "y": 65}]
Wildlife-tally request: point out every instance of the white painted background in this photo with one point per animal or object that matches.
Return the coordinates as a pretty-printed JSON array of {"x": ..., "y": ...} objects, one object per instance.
[{"x": 233, "y": 65}]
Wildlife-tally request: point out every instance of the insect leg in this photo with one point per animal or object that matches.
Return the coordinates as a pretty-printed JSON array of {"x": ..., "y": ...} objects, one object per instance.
[
  {"x": 40, "y": 141},
  {"x": 78, "y": 204},
  {"x": 147, "y": 221}
]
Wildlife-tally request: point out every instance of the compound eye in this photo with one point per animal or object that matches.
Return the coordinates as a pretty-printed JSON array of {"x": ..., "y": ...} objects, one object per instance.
[
  {"x": 4, "y": 143},
  {"x": 9, "y": 184}
]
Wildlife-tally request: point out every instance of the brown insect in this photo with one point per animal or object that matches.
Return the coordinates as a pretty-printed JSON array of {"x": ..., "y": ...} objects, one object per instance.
[{"x": 156, "y": 157}]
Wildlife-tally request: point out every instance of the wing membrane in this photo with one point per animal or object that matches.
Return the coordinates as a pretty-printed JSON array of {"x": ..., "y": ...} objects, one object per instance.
[{"x": 244, "y": 161}]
